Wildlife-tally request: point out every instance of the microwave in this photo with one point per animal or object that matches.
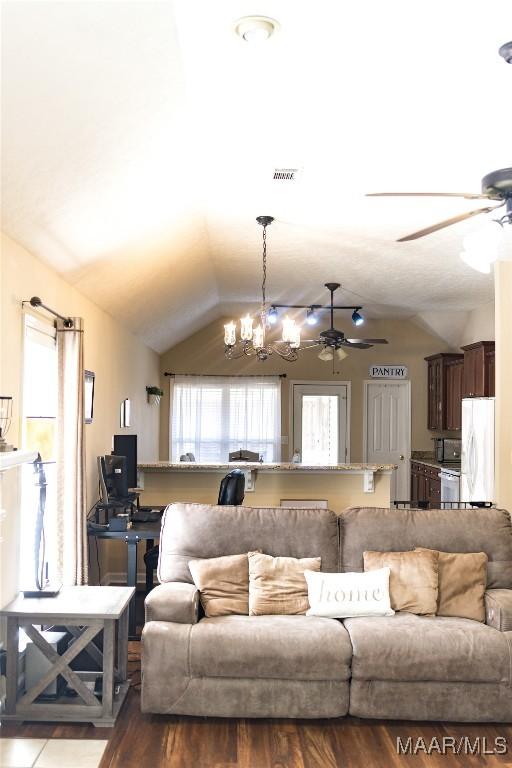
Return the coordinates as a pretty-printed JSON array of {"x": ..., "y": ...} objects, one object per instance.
[{"x": 448, "y": 449}]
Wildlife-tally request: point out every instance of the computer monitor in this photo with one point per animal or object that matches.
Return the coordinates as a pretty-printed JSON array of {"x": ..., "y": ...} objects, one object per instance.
[
  {"x": 126, "y": 445},
  {"x": 113, "y": 478}
]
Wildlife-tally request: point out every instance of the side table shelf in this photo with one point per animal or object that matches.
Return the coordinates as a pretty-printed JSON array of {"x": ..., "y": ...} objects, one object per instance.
[{"x": 84, "y": 612}]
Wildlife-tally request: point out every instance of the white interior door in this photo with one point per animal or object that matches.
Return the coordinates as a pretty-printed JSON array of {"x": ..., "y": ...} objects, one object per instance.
[
  {"x": 387, "y": 424},
  {"x": 321, "y": 422}
]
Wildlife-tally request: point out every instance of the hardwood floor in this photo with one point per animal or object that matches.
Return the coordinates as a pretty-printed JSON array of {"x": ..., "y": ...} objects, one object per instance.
[{"x": 158, "y": 741}]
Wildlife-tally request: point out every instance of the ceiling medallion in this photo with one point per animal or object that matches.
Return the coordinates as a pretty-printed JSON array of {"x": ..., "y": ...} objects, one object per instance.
[{"x": 253, "y": 340}]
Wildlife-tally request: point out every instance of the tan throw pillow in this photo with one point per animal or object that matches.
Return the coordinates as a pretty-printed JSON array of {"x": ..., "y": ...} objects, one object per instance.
[
  {"x": 278, "y": 584},
  {"x": 223, "y": 583},
  {"x": 413, "y": 582},
  {"x": 462, "y": 583}
]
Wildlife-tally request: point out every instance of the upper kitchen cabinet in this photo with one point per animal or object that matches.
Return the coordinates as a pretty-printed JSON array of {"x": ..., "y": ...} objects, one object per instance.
[
  {"x": 479, "y": 369},
  {"x": 454, "y": 393},
  {"x": 443, "y": 375}
]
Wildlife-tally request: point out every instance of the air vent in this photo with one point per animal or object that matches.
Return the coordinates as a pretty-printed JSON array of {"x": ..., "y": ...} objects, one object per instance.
[{"x": 286, "y": 174}]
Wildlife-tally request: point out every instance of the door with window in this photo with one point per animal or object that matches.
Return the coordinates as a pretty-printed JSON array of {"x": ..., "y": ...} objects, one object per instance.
[
  {"x": 321, "y": 422},
  {"x": 387, "y": 424}
]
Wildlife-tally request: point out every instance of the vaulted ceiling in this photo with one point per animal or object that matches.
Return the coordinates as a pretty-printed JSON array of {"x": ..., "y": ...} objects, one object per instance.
[{"x": 140, "y": 139}]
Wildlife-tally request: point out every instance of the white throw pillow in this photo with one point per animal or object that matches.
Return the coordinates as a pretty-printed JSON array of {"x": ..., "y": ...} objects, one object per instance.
[{"x": 341, "y": 595}]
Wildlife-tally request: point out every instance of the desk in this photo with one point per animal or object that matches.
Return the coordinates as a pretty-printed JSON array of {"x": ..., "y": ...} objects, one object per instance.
[{"x": 147, "y": 532}]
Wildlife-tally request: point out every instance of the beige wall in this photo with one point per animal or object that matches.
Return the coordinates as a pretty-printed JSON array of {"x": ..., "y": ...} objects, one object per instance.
[
  {"x": 408, "y": 344},
  {"x": 479, "y": 325},
  {"x": 122, "y": 363},
  {"x": 503, "y": 293}
]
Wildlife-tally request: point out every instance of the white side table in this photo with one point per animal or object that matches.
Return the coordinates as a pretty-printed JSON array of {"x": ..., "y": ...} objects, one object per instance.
[{"x": 84, "y": 611}]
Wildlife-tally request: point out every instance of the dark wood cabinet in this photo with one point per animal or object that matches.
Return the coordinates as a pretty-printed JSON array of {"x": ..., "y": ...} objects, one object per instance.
[
  {"x": 438, "y": 367},
  {"x": 425, "y": 484},
  {"x": 454, "y": 393},
  {"x": 479, "y": 369}
]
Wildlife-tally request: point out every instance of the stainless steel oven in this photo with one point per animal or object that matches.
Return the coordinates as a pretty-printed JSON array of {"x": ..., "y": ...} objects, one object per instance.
[{"x": 450, "y": 487}]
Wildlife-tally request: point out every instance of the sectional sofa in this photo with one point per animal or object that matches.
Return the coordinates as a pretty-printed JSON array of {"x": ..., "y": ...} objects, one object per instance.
[{"x": 401, "y": 666}]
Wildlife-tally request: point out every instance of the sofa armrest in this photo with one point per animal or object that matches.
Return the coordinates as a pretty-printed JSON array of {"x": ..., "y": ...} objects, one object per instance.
[
  {"x": 498, "y": 609},
  {"x": 173, "y": 601}
]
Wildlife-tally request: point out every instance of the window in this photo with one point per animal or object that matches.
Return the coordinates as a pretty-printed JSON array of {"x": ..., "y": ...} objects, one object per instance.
[
  {"x": 39, "y": 434},
  {"x": 215, "y": 415}
]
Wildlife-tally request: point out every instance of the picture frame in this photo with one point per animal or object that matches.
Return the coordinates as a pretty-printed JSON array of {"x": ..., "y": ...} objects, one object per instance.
[{"x": 89, "y": 379}]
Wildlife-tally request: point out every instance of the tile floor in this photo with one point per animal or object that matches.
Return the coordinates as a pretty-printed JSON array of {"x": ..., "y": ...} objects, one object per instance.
[{"x": 51, "y": 753}]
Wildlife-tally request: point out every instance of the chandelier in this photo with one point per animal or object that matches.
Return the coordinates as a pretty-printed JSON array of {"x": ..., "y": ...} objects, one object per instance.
[{"x": 253, "y": 340}]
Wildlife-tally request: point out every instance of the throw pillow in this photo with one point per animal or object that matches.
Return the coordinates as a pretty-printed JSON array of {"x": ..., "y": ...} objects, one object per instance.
[
  {"x": 413, "y": 582},
  {"x": 278, "y": 585},
  {"x": 462, "y": 583},
  {"x": 341, "y": 595},
  {"x": 223, "y": 583}
]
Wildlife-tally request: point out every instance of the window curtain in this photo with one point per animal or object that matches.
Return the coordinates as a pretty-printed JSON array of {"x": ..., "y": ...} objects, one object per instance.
[
  {"x": 71, "y": 524},
  {"x": 215, "y": 415}
]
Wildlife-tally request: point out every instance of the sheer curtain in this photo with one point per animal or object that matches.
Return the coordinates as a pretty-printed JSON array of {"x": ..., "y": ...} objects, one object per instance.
[
  {"x": 72, "y": 537},
  {"x": 214, "y": 415}
]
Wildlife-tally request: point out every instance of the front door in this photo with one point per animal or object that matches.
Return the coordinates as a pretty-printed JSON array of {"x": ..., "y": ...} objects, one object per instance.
[
  {"x": 387, "y": 436},
  {"x": 320, "y": 423}
]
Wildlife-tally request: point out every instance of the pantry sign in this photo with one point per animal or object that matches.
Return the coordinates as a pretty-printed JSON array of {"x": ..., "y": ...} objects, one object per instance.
[{"x": 387, "y": 371}]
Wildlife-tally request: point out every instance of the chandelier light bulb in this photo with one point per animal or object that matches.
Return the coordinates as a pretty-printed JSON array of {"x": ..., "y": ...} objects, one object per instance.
[
  {"x": 230, "y": 334},
  {"x": 246, "y": 328},
  {"x": 288, "y": 329},
  {"x": 258, "y": 337},
  {"x": 295, "y": 340}
]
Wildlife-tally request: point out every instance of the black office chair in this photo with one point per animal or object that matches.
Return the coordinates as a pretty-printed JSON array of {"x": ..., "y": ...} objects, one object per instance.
[{"x": 231, "y": 492}]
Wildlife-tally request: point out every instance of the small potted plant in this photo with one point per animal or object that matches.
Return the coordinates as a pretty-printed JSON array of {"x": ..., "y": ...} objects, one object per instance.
[{"x": 154, "y": 395}]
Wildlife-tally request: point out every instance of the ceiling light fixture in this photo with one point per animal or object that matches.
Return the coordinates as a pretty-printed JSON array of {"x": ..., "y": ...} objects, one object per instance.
[
  {"x": 312, "y": 315},
  {"x": 506, "y": 52},
  {"x": 255, "y": 29},
  {"x": 253, "y": 338},
  {"x": 272, "y": 316},
  {"x": 357, "y": 317}
]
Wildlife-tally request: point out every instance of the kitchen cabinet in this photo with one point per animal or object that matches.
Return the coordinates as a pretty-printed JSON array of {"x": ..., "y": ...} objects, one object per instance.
[
  {"x": 479, "y": 369},
  {"x": 454, "y": 393},
  {"x": 437, "y": 410},
  {"x": 425, "y": 484}
]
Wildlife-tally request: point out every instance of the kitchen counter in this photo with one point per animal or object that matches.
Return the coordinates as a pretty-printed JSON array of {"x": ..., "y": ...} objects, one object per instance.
[
  {"x": 431, "y": 462},
  {"x": 268, "y": 484},
  {"x": 193, "y": 466}
]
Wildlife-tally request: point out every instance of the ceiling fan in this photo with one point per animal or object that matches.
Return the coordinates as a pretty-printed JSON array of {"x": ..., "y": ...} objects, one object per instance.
[
  {"x": 495, "y": 186},
  {"x": 333, "y": 341}
]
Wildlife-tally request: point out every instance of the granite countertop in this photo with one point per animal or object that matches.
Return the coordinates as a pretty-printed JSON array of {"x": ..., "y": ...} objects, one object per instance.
[
  {"x": 192, "y": 466},
  {"x": 422, "y": 457}
]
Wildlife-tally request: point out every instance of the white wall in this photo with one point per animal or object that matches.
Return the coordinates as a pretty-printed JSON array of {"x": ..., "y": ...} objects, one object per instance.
[{"x": 479, "y": 325}]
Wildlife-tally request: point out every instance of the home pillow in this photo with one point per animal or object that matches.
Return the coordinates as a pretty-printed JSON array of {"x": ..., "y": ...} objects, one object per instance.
[
  {"x": 341, "y": 595},
  {"x": 413, "y": 581},
  {"x": 223, "y": 583},
  {"x": 462, "y": 583},
  {"x": 278, "y": 584}
]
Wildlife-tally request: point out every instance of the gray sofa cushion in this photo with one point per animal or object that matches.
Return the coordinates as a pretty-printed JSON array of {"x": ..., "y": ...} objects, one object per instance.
[
  {"x": 191, "y": 531},
  {"x": 406, "y": 647},
  {"x": 284, "y": 647},
  {"x": 450, "y": 530}
]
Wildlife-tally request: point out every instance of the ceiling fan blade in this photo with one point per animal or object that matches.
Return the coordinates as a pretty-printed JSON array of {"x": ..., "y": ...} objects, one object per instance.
[
  {"x": 447, "y": 223},
  {"x": 368, "y": 341},
  {"x": 355, "y": 344},
  {"x": 466, "y": 195}
]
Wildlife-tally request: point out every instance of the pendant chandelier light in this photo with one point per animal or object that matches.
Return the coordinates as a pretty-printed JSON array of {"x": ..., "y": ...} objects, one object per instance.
[{"x": 253, "y": 340}]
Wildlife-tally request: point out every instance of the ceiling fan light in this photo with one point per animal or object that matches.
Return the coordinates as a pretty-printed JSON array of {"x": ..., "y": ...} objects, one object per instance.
[
  {"x": 326, "y": 354},
  {"x": 289, "y": 327},
  {"x": 341, "y": 354},
  {"x": 357, "y": 318}
]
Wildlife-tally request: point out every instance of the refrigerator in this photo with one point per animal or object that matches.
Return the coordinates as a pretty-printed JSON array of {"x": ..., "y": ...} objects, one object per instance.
[{"x": 477, "y": 452}]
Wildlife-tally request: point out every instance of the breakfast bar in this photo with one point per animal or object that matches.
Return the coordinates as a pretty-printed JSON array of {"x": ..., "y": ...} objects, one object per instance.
[{"x": 266, "y": 484}]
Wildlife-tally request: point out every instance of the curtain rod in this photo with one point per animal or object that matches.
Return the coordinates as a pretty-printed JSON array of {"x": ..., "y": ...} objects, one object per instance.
[
  {"x": 231, "y": 376},
  {"x": 35, "y": 301}
]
